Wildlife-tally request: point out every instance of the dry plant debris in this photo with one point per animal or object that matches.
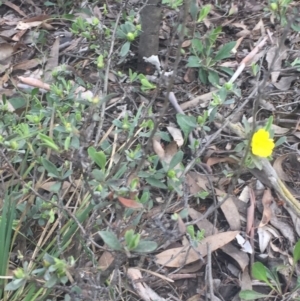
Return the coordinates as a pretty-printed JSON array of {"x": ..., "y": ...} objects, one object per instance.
[{"x": 157, "y": 164}]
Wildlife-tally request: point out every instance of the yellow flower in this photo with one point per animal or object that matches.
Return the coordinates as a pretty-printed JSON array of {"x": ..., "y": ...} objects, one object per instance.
[{"x": 262, "y": 145}]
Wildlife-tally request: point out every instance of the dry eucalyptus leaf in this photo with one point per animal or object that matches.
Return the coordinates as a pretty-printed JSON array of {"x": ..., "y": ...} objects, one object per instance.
[
  {"x": 6, "y": 51},
  {"x": 275, "y": 63},
  {"x": 267, "y": 200},
  {"x": 176, "y": 134},
  {"x": 230, "y": 210},
  {"x": 178, "y": 257}
]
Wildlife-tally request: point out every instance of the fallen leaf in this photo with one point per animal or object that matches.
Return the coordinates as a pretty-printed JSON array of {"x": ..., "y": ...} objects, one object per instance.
[
  {"x": 6, "y": 51},
  {"x": 203, "y": 224},
  {"x": 157, "y": 147},
  {"x": 230, "y": 210},
  {"x": 214, "y": 160},
  {"x": 15, "y": 7},
  {"x": 128, "y": 203},
  {"x": 264, "y": 238},
  {"x": 27, "y": 65},
  {"x": 178, "y": 257},
  {"x": 105, "y": 260},
  {"x": 240, "y": 257},
  {"x": 285, "y": 82},
  {"x": 186, "y": 43},
  {"x": 52, "y": 61},
  {"x": 176, "y": 134},
  {"x": 279, "y": 170},
  {"x": 275, "y": 63},
  {"x": 267, "y": 200}
]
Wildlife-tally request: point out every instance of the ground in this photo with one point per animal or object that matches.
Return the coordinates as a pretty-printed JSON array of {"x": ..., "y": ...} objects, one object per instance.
[{"x": 170, "y": 177}]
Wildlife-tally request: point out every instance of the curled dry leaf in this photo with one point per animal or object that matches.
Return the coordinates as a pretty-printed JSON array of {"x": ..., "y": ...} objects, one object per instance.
[
  {"x": 230, "y": 210},
  {"x": 128, "y": 203},
  {"x": 157, "y": 147},
  {"x": 281, "y": 225},
  {"x": 274, "y": 59},
  {"x": 284, "y": 83},
  {"x": 264, "y": 238},
  {"x": 240, "y": 257},
  {"x": 267, "y": 200},
  {"x": 178, "y": 257},
  {"x": 176, "y": 134},
  {"x": 279, "y": 170}
]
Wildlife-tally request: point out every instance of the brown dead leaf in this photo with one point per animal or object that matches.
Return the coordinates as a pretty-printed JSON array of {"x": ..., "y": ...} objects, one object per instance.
[
  {"x": 250, "y": 211},
  {"x": 105, "y": 260},
  {"x": 176, "y": 135},
  {"x": 128, "y": 203},
  {"x": 169, "y": 152},
  {"x": 202, "y": 100},
  {"x": 190, "y": 75},
  {"x": 52, "y": 61},
  {"x": 6, "y": 51},
  {"x": 186, "y": 43},
  {"x": 157, "y": 147},
  {"x": 27, "y": 65},
  {"x": 204, "y": 224},
  {"x": 275, "y": 63},
  {"x": 179, "y": 257},
  {"x": 281, "y": 224},
  {"x": 230, "y": 210},
  {"x": 267, "y": 200},
  {"x": 239, "y": 256},
  {"x": 24, "y": 26},
  {"x": 214, "y": 160},
  {"x": 15, "y": 7},
  {"x": 279, "y": 170},
  {"x": 285, "y": 82}
]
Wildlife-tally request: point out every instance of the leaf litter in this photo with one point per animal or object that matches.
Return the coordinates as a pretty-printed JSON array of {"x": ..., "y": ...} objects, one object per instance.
[{"x": 274, "y": 223}]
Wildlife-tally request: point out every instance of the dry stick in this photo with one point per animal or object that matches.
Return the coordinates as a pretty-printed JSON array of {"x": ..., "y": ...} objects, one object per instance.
[
  {"x": 209, "y": 279},
  {"x": 248, "y": 58}
]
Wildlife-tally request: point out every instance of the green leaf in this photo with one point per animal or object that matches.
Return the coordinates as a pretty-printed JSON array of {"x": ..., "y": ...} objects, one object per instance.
[
  {"x": 111, "y": 240},
  {"x": 204, "y": 12},
  {"x": 50, "y": 167},
  {"x": 146, "y": 246},
  {"x": 156, "y": 183},
  {"x": 186, "y": 123},
  {"x": 203, "y": 75},
  {"x": 280, "y": 141},
  {"x": 177, "y": 158},
  {"x": 98, "y": 157},
  {"x": 224, "y": 52},
  {"x": 197, "y": 46},
  {"x": 125, "y": 49},
  {"x": 129, "y": 236},
  {"x": 251, "y": 295},
  {"x": 213, "y": 77},
  {"x": 48, "y": 142},
  {"x": 296, "y": 252},
  {"x": 193, "y": 61},
  {"x": 259, "y": 271},
  {"x": 15, "y": 284},
  {"x": 226, "y": 70}
]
